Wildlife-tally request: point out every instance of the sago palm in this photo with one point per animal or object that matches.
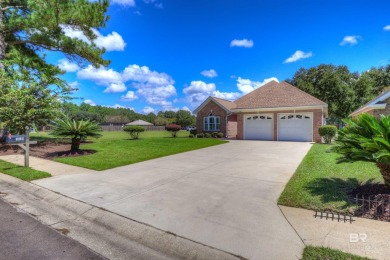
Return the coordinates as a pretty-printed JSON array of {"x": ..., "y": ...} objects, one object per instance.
[
  {"x": 76, "y": 130},
  {"x": 366, "y": 138}
]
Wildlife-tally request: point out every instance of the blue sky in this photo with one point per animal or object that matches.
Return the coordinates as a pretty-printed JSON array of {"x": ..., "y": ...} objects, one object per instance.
[{"x": 172, "y": 54}]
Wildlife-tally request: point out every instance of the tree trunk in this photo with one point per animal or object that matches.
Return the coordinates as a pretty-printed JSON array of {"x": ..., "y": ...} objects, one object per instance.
[
  {"x": 75, "y": 144},
  {"x": 385, "y": 171},
  {"x": 3, "y": 44}
]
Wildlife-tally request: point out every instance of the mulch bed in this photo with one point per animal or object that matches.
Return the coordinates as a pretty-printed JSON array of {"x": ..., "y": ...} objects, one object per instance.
[
  {"x": 45, "y": 150},
  {"x": 373, "y": 201}
]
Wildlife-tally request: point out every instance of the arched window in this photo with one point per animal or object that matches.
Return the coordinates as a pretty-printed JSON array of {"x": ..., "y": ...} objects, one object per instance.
[{"x": 211, "y": 123}]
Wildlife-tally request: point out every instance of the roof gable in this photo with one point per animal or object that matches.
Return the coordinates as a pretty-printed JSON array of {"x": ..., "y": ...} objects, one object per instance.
[
  {"x": 224, "y": 104},
  {"x": 373, "y": 103},
  {"x": 274, "y": 94}
]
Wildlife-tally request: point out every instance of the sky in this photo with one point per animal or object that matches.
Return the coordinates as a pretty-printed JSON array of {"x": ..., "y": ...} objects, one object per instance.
[{"x": 173, "y": 54}]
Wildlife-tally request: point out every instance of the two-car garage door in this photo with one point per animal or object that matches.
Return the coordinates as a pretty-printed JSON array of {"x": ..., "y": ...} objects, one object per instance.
[{"x": 290, "y": 127}]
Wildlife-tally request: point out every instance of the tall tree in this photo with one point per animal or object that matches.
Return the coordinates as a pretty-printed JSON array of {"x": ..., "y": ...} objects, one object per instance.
[
  {"x": 30, "y": 28},
  {"x": 184, "y": 118}
]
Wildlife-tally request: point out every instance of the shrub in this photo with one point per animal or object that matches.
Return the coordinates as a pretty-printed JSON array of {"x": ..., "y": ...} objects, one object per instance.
[
  {"x": 173, "y": 129},
  {"x": 328, "y": 132},
  {"x": 214, "y": 134},
  {"x": 193, "y": 132},
  {"x": 201, "y": 135},
  {"x": 191, "y": 136},
  {"x": 134, "y": 130},
  {"x": 207, "y": 135},
  {"x": 220, "y": 135}
]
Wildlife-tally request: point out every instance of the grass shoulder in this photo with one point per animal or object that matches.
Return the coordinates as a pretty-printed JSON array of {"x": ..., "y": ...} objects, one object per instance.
[
  {"x": 320, "y": 183},
  {"x": 312, "y": 252},
  {"x": 21, "y": 172}
]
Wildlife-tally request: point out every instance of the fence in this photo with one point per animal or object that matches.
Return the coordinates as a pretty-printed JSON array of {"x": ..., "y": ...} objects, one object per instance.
[
  {"x": 374, "y": 207},
  {"x": 118, "y": 128}
]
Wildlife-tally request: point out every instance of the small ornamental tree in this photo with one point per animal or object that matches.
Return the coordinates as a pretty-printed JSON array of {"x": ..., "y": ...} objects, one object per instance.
[
  {"x": 76, "y": 130},
  {"x": 328, "y": 132},
  {"x": 134, "y": 130},
  {"x": 173, "y": 129}
]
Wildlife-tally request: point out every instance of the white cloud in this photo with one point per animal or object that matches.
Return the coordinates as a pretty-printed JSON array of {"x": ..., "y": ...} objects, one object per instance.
[
  {"x": 209, "y": 73},
  {"x": 73, "y": 84},
  {"x": 247, "y": 85},
  {"x": 386, "y": 28},
  {"x": 101, "y": 76},
  {"x": 130, "y": 3},
  {"x": 67, "y": 66},
  {"x": 197, "y": 87},
  {"x": 148, "y": 110},
  {"x": 298, "y": 55},
  {"x": 130, "y": 96},
  {"x": 186, "y": 109},
  {"x": 111, "y": 42},
  {"x": 242, "y": 43},
  {"x": 350, "y": 40},
  {"x": 89, "y": 102},
  {"x": 120, "y": 106},
  {"x": 227, "y": 95},
  {"x": 115, "y": 88}
]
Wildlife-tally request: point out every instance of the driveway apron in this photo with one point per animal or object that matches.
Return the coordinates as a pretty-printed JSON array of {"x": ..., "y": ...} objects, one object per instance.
[{"x": 222, "y": 196}]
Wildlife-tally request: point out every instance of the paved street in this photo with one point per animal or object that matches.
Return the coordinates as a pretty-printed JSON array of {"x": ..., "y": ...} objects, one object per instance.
[
  {"x": 223, "y": 196},
  {"x": 23, "y": 237}
]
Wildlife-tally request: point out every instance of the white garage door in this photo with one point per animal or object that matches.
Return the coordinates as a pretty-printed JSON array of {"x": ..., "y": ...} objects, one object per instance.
[
  {"x": 258, "y": 127},
  {"x": 295, "y": 127}
]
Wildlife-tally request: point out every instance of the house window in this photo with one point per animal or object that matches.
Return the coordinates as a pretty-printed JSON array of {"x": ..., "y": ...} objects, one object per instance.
[{"x": 211, "y": 123}]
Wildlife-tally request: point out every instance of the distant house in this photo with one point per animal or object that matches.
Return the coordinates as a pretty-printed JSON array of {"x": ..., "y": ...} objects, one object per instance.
[
  {"x": 274, "y": 112},
  {"x": 376, "y": 107},
  {"x": 140, "y": 123}
]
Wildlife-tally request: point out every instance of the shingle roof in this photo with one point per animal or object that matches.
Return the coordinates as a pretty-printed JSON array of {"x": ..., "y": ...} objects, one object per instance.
[
  {"x": 274, "y": 94},
  {"x": 139, "y": 122},
  {"x": 377, "y": 99},
  {"x": 225, "y": 103}
]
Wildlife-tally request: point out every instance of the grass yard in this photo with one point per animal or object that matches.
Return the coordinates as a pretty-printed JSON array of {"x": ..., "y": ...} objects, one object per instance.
[
  {"x": 21, "y": 172},
  {"x": 312, "y": 252},
  {"x": 117, "y": 149},
  {"x": 320, "y": 183}
]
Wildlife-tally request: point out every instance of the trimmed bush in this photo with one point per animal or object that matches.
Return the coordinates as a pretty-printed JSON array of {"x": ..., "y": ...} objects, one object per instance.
[
  {"x": 207, "y": 135},
  {"x": 201, "y": 135},
  {"x": 214, "y": 134},
  {"x": 220, "y": 135},
  {"x": 173, "y": 129},
  {"x": 191, "y": 136},
  {"x": 328, "y": 132},
  {"x": 134, "y": 130},
  {"x": 193, "y": 132}
]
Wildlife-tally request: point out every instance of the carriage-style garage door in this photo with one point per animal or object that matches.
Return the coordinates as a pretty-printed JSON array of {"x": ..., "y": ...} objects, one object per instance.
[
  {"x": 295, "y": 127},
  {"x": 258, "y": 127}
]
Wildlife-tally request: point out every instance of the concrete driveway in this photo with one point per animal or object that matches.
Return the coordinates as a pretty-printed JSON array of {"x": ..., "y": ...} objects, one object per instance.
[{"x": 223, "y": 196}]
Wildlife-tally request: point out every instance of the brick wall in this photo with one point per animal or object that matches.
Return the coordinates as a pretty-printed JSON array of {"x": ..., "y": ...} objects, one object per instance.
[
  {"x": 216, "y": 110},
  {"x": 317, "y": 122},
  {"x": 232, "y": 126}
]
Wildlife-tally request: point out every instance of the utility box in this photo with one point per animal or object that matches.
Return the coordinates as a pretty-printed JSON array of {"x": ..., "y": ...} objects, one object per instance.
[{"x": 15, "y": 139}]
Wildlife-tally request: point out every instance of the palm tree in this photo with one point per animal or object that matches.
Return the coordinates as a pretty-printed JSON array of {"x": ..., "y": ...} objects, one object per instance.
[
  {"x": 76, "y": 130},
  {"x": 366, "y": 138}
]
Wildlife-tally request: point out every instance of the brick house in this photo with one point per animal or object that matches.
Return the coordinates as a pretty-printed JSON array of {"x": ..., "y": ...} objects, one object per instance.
[
  {"x": 275, "y": 112},
  {"x": 376, "y": 107}
]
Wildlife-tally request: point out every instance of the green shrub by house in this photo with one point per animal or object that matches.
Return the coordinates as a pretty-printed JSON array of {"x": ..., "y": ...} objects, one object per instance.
[
  {"x": 328, "y": 132},
  {"x": 134, "y": 130},
  {"x": 201, "y": 135}
]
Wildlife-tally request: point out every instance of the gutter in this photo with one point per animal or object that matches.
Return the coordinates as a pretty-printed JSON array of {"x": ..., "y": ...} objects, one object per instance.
[{"x": 227, "y": 115}]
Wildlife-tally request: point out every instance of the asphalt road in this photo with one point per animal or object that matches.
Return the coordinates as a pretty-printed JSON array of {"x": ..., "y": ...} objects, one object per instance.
[{"x": 23, "y": 237}]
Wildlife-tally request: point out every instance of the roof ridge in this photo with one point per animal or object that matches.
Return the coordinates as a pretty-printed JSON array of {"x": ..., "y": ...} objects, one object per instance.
[{"x": 223, "y": 99}]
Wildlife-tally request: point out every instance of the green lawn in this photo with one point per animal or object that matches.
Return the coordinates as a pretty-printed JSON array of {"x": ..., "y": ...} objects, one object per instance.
[
  {"x": 323, "y": 253},
  {"x": 320, "y": 183},
  {"x": 20, "y": 172},
  {"x": 117, "y": 149}
]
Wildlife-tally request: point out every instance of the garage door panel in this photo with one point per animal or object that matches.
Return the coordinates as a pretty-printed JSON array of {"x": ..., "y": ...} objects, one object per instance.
[
  {"x": 258, "y": 127},
  {"x": 295, "y": 127}
]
